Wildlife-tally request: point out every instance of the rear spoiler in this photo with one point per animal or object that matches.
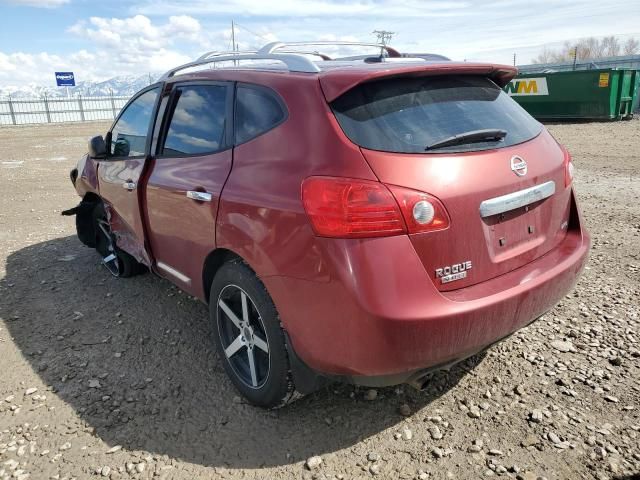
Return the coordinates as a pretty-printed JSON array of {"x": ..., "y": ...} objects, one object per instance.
[{"x": 337, "y": 81}]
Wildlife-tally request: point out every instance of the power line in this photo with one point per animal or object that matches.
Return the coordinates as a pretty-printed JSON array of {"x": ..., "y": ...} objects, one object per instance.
[
  {"x": 252, "y": 32},
  {"x": 384, "y": 36}
]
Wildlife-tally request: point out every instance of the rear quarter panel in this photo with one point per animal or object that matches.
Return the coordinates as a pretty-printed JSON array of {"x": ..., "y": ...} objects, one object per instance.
[{"x": 261, "y": 216}]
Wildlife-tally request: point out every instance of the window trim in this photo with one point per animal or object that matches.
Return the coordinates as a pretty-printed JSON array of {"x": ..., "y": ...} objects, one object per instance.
[
  {"x": 269, "y": 91},
  {"x": 154, "y": 112},
  {"x": 170, "y": 108}
]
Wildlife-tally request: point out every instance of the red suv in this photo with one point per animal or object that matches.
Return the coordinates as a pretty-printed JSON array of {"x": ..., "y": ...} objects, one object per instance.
[{"x": 366, "y": 219}]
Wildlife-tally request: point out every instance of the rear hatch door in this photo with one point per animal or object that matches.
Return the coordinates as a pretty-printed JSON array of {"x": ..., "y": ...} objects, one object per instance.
[{"x": 503, "y": 214}]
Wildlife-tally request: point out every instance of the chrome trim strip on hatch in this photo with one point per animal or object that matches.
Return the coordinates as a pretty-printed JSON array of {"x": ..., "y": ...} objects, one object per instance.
[{"x": 518, "y": 199}]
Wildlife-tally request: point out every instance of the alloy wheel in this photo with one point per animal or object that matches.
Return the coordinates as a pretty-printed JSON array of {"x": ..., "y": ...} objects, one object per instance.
[
  {"x": 106, "y": 246},
  {"x": 243, "y": 336}
]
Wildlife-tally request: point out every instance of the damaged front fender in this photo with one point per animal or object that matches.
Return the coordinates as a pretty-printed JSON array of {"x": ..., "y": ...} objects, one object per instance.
[{"x": 85, "y": 176}]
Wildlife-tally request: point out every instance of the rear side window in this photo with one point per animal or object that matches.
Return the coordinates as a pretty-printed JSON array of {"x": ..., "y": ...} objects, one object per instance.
[
  {"x": 197, "y": 121},
  {"x": 406, "y": 115},
  {"x": 257, "y": 111}
]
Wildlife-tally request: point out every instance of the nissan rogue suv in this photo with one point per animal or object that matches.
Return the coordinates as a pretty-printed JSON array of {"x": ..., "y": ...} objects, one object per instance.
[{"x": 365, "y": 220}]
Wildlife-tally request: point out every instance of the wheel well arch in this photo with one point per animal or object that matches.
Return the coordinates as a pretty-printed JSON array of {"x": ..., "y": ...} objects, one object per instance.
[{"x": 212, "y": 264}]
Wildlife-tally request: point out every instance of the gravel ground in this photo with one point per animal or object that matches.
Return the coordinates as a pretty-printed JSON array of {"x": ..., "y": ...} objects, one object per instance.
[{"x": 108, "y": 378}]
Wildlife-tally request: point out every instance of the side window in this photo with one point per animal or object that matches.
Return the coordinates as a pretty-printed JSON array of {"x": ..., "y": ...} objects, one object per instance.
[
  {"x": 129, "y": 134},
  {"x": 197, "y": 122},
  {"x": 257, "y": 110}
]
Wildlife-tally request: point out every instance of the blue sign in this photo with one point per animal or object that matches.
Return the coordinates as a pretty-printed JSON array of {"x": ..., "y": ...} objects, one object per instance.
[{"x": 65, "y": 79}]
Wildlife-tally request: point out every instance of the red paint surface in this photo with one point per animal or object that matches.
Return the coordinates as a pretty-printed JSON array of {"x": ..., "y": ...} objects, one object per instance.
[
  {"x": 181, "y": 230},
  {"x": 123, "y": 205},
  {"x": 462, "y": 182}
]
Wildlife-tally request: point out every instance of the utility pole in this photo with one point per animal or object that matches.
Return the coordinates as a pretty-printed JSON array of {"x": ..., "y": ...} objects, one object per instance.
[
  {"x": 514, "y": 59},
  {"x": 383, "y": 37},
  {"x": 233, "y": 40},
  {"x": 575, "y": 57}
]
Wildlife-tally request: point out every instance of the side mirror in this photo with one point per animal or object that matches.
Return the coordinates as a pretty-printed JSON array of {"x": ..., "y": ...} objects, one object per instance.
[{"x": 97, "y": 147}]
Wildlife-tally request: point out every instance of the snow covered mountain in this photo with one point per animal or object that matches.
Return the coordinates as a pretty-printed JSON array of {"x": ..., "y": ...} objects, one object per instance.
[{"x": 125, "y": 85}]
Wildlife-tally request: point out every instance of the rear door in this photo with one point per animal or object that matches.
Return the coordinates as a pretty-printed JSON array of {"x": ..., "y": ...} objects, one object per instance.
[
  {"x": 119, "y": 174},
  {"x": 192, "y": 162},
  {"x": 395, "y": 121}
]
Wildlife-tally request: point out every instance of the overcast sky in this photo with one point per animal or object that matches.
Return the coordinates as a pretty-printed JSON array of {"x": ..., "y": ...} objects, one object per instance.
[{"x": 100, "y": 40}]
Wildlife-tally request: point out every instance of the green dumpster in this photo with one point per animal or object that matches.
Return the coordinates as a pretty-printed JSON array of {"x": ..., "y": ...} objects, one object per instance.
[{"x": 602, "y": 94}]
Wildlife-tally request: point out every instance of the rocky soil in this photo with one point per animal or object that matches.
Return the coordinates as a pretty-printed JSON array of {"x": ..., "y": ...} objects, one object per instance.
[{"x": 108, "y": 378}]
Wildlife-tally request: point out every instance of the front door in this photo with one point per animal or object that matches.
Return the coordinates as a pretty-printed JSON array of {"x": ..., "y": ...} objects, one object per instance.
[
  {"x": 193, "y": 160},
  {"x": 119, "y": 173}
]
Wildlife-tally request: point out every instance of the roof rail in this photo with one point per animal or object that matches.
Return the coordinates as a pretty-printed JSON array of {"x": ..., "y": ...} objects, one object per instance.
[{"x": 295, "y": 61}]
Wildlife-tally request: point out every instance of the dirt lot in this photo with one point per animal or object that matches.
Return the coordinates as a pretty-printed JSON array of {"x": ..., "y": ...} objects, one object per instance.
[{"x": 103, "y": 377}]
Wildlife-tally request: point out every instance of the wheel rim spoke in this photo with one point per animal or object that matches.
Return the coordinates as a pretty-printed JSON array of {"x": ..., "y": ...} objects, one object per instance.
[
  {"x": 233, "y": 348},
  {"x": 245, "y": 309},
  {"x": 229, "y": 313},
  {"x": 252, "y": 367},
  {"x": 260, "y": 343}
]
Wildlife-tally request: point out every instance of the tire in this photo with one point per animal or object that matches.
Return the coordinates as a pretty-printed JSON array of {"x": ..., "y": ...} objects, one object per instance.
[
  {"x": 269, "y": 384},
  {"x": 122, "y": 264}
]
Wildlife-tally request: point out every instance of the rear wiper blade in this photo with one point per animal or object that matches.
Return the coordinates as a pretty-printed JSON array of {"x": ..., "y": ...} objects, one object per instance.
[{"x": 469, "y": 137}]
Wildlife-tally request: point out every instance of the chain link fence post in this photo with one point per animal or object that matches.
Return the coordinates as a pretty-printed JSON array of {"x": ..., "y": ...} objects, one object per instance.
[
  {"x": 81, "y": 109},
  {"x": 46, "y": 108},
  {"x": 13, "y": 114},
  {"x": 113, "y": 104}
]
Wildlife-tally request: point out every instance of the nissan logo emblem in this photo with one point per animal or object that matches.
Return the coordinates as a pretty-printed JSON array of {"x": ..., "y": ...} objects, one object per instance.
[{"x": 519, "y": 166}]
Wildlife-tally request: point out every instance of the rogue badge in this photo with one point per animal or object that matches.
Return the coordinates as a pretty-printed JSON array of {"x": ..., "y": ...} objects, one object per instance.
[{"x": 454, "y": 272}]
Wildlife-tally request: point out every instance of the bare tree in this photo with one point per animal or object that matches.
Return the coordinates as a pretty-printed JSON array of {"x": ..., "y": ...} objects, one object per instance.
[
  {"x": 591, "y": 48},
  {"x": 588, "y": 49},
  {"x": 631, "y": 47},
  {"x": 611, "y": 46},
  {"x": 545, "y": 56},
  {"x": 598, "y": 48}
]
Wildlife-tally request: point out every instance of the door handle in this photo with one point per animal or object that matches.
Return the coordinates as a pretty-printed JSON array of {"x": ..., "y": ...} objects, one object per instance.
[
  {"x": 199, "y": 196},
  {"x": 129, "y": 185}
]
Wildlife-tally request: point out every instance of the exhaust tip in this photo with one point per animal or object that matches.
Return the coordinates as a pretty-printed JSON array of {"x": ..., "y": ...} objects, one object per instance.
[{"x": 421, "y": 382}]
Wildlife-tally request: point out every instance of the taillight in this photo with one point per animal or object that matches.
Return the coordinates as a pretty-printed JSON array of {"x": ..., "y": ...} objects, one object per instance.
[
  {"x": 351, "y": 208},
  {"x": 422, "y": 212},
  {"x": 568, "y": 167}
]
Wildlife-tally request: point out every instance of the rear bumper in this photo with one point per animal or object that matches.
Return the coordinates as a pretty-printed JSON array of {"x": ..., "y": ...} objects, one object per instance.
[{"x": 380, "y": 320}]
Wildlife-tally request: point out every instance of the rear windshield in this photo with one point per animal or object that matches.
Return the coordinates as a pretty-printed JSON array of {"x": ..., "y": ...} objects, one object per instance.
[{"x": 406, "y": 115}]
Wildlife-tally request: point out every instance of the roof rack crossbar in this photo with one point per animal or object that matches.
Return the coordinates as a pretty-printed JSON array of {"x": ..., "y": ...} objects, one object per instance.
[
  {"x": 216, "y": 53},
  {"x": 270, "y": 48},
  {"x": 294, "y": 60}
]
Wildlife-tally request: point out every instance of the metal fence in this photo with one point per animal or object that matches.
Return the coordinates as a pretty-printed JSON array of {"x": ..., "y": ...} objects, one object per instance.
[
  {"x": 56, "y": 109},
  {"x": 628, "y": 61}
]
